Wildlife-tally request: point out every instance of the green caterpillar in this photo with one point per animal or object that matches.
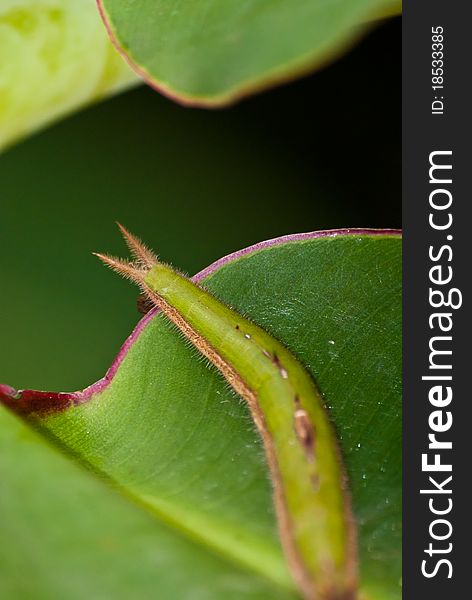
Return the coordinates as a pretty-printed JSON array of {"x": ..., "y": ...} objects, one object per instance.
[{"x": 312, "y": 502}]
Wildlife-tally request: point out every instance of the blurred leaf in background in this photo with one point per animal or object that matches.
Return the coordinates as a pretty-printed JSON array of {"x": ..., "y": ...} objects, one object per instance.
[
  {"x": 55, "y": 56},
  {"x": 209, "y": 53}
]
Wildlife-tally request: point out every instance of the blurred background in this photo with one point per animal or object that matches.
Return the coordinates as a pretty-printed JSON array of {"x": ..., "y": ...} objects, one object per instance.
[{"x": 323, "y": 152}]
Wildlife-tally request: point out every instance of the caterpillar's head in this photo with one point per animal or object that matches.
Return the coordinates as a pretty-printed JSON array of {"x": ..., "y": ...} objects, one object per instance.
[{"x": 137, "y": 269}]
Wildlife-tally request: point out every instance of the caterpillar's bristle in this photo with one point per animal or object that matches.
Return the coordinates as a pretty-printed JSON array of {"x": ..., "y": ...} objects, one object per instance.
[
  {"x": 140, "y": 251},
  {"x": 123, "y": 267}
]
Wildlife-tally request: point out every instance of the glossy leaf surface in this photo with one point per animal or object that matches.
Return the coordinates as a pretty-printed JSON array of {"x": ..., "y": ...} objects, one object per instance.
[{"x": 168, "y": 432}]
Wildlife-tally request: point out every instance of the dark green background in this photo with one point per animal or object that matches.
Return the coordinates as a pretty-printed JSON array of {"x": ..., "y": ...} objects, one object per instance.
[{"x": 323, "y": 152}]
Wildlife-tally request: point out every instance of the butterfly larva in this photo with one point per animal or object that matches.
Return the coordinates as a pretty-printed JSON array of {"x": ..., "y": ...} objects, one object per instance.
[{"x": 313, "y": 506}]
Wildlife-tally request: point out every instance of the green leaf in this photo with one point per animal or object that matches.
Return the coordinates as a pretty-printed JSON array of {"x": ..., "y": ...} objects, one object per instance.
[
  {"x": 166, "y": 430},
  {"x": 208, "y": 52},
  {"x": 55, "y": 58},
  {"x": 68, "y": 536}
]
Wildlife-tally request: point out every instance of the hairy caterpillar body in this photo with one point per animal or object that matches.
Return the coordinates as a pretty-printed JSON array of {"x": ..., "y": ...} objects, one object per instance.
[{"x": 312, "y": 502}]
